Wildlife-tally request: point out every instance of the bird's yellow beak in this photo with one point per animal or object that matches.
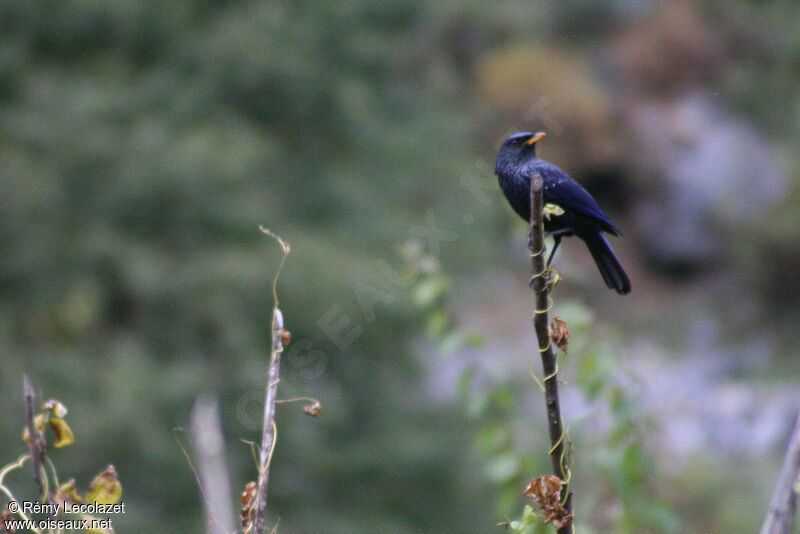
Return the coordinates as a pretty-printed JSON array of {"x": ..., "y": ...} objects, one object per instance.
[{"x": 535, "y": 138}]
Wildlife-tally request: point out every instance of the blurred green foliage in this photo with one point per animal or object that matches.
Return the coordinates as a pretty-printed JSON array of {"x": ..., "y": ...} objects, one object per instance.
[{"x": 142, "y": 145}]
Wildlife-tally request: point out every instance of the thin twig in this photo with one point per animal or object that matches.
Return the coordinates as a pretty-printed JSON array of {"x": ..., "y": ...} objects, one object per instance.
[
  {"x": 285, "y": 248},
  {"x": 296, "y": 399},
  {"x": 784, "y": 502},
  {"x": 558, "y": 456},
  {"x": 268, "y": 433},
  {"x": 36, "y": 446},
  {"x": 6, "y": 470}
]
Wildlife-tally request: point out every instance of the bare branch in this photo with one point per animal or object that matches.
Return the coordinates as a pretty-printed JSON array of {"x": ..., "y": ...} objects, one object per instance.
[
  {"x": 784, "y": 502},
  {"x": 35, "y": 442},
  {"x": 558, "y": 456},
  {"x": 268, "y": 433}
]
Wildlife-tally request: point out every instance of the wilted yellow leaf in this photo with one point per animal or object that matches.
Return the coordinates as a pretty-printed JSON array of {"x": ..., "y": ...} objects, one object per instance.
[
  {"x": 63, "y": 432},
  {"x": 105, "y": 488},
  {"x": 552, "y": 210},
  {"x": 67, "y": 492},
  {"x": 559, "y": 333},
  {"x": 39, "y": 421}
]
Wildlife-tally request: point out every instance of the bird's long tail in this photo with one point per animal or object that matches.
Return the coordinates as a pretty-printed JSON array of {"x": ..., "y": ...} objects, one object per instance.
[{"x": 607, "y": 262}]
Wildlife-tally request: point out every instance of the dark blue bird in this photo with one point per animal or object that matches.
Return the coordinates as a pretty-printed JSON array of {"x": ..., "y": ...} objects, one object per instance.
[{"x": 582, "y": 217}]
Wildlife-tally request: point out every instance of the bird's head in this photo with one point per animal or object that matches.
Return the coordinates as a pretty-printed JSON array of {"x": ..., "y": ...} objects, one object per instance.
[{"x": 517, "y": 149}]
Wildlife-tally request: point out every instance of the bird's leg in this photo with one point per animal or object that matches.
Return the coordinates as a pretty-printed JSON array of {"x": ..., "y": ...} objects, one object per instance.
[
  {"x": 551, "y": 275},
  {"x": 556, "y": 235},
  {"x": 561, "y": 232},
  {"x": 556, "y": 242}
]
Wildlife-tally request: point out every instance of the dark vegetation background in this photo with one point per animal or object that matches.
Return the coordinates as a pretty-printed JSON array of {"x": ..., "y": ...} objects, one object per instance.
[{"x": 142, "y": 143}]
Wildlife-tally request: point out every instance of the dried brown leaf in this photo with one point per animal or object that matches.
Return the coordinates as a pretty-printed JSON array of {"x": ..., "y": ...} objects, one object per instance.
[
  {"x": 559, "y": 333},
  {"x": 286, "y": 337},
  {"x": 248, "y": 494},
  {"x": 313, "y": 409},
  {"x": 284, "y": 244},
  {"x": 248, "y": 503},
  {"x": 546, "y": 493},
  {"x": 5, "y": 517}
]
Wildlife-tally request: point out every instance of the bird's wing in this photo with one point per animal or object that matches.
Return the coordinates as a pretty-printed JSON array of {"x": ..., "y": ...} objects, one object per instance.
[{"x": 562, "y": 190}]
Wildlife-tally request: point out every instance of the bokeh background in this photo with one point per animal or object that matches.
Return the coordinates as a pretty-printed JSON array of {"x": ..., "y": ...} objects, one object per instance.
[{"x": 142, "y": 143}]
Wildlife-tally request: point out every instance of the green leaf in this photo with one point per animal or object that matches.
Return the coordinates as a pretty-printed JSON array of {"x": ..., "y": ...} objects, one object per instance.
[
  {"x": 450, "y": 344},
  {"x": 662, "y": 518},
  {"x": 436, "y": 323},
  {"x": 427, "y": 291},
  {"x": 492, "y": 439},
  {"x": 529, "y": 517},
  {"x": 502, "y": 468},
  {"x": 475, "y": 340},
  {"x": 526, "y": 524},
  {"x": 465, "y": 381}
]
